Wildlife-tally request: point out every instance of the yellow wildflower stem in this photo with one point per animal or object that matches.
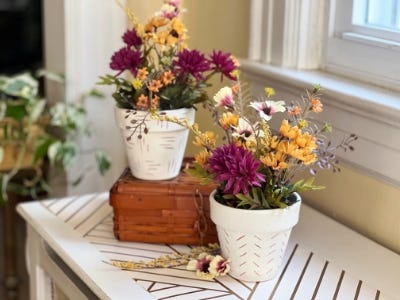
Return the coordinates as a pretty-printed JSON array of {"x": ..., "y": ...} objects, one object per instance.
[
  {"x": 131, "y": 16},
  {"x": 168, "y": 260}
]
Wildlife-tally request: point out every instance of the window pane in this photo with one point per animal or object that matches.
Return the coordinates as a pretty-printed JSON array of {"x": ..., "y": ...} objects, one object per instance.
[{"x": 384, "y": 14}]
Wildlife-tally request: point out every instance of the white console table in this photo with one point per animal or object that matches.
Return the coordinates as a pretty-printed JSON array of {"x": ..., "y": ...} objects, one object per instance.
[{"x": 70, "y": 241}]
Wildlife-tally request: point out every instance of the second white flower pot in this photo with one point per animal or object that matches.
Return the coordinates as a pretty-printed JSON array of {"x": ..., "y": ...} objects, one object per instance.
[{"x": 254, "y": 240}]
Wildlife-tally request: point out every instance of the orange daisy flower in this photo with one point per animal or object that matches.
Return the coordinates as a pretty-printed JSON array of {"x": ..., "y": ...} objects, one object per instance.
[
  {"x": 177, "y": 32},
  {"x": 289, "y": 131},
  {"x": 155, "y": 101},
  {"x": 316, "y": 105},
  {"x": 202, "y": 157},
  {"x": 154, "y": 23},
  {"x": 294, "y": 111},
  {"x": 155, "y": 85},
  {"x": 142, "y": 74},
  {"x": 142, "y": 102},
  {"x": 167, "y": 77},
  {"x": 235, "y": 88},
  {"x": 275, "y": 160},
  {"x": 228, "y": 120}
]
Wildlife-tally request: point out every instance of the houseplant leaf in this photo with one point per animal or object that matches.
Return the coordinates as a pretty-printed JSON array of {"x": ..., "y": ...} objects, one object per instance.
[
  {"x": 42, "y": 146},
  {"x": 103, "y": 162},
  {"x": 35, "y": 109}
]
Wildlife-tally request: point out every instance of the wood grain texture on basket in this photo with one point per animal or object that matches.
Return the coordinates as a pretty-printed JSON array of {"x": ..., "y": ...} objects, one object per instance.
[{"x": 173, "y": 211}]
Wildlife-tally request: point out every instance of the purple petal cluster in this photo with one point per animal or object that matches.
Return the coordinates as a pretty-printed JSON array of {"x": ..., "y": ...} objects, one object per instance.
[
  {"x": 222, "y": 62},
  {"x": 131, "y": 38},
  {"x": 125, "y": 59},
  {"x": 237, "y": 167},
  {"x": 192, "y": 62}
]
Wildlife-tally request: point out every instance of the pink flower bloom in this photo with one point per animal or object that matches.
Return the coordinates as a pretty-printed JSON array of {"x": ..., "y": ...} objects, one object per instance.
[
  {"x": 219, "y": 266},
  {"x": 201, "y": 266},
  {"x": 169, "y": 11},
  {"x": 173, "y": 2},
  {"x": 243, "y": 130},
  {"x": 224, "y": 97},
  {"x": 208, "y": 266},
  {"x": 268, "y": 108}
]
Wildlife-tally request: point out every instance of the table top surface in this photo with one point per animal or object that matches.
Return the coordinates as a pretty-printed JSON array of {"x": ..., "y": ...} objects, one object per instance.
[{"x": 323, "y": 260}]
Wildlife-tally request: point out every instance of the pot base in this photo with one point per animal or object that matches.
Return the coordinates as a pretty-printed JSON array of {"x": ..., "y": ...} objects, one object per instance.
[{"x": 254, "y": 257}]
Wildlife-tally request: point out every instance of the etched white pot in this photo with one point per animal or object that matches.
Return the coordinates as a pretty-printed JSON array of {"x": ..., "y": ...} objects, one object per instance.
[
  {"x": 155, "y": 148},
  {"x": 254, "y": 240}
]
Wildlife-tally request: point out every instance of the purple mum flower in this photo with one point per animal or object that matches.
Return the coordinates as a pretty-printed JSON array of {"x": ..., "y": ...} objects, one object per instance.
[
  {"x": 192, "y": 62},
  {"x": 237, "y": 167},
  {"x": 222, "y": 62},
  {"x": 125, "y": 59},
  {"x": 131, "y": 38}
]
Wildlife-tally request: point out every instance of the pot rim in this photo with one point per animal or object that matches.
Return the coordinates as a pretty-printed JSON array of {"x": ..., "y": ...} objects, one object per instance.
[
  {"x": 256, "y": 211},
  {"x": 159, "y": 111},
  {"x": 145, "y": 117},
  {"x": 255, "y": 221}
]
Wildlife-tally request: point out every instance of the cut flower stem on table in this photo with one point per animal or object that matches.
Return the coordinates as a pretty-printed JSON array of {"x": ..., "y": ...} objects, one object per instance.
[{"x": 205, "y": 260}]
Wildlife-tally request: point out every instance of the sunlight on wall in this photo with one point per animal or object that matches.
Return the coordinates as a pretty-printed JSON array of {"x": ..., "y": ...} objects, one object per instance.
[
  {"x": 369, "y": 206},
  {"x": 221, "y": 25}
]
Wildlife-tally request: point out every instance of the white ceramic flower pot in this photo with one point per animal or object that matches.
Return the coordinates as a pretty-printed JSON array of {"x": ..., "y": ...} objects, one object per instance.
[
  {"x": 254, "y": 240},
  {"x": 155, "y": 148}
]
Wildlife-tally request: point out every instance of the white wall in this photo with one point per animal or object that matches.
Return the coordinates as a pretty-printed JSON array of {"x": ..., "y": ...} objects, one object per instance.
[{"x": 80, "y": 37}]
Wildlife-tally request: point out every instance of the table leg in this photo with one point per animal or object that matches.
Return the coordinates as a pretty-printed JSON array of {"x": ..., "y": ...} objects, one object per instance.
[{"x": 39, "y": 281}]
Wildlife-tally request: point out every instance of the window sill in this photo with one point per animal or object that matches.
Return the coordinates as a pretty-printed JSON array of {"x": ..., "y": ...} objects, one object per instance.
[{"x": 351, "y": 107}]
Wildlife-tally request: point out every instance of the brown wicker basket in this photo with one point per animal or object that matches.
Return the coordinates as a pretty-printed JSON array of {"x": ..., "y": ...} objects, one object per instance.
[{"x": 173, "y": 211}]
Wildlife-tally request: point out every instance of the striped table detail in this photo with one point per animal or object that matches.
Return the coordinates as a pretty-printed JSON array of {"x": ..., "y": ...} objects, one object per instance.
[{"x": 302, "y": 275}]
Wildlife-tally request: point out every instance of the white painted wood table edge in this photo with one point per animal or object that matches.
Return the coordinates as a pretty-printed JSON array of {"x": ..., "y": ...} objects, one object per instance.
[
  {"x": 376, "y": 265},
  {"x": 106, "y": 281},
  {"x": 361, "y": 257}
]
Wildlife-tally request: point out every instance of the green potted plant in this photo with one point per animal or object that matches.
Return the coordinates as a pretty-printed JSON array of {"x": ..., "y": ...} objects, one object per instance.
[
  {"x": 157, "y": 74},
  {"x": 34, "y": 135},
  {"x": 260, "y": 173}
]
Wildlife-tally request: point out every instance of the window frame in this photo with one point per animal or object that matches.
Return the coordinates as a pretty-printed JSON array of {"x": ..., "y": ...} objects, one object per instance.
[
  {"x": 374, "y": 52},
  {"x": 287, "y": 53}
]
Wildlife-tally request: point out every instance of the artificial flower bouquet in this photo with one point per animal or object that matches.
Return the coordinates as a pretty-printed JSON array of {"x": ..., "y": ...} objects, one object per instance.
[
  {"x": 257, "y": 167},
  {"x": 157, "y": 74},
  {"x": 155, "y": 70}
]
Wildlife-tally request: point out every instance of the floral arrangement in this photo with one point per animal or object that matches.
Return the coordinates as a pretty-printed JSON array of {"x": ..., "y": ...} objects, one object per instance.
[
  {"x": 155, "y": 70},
  {"x": 256, "y": 167}
]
